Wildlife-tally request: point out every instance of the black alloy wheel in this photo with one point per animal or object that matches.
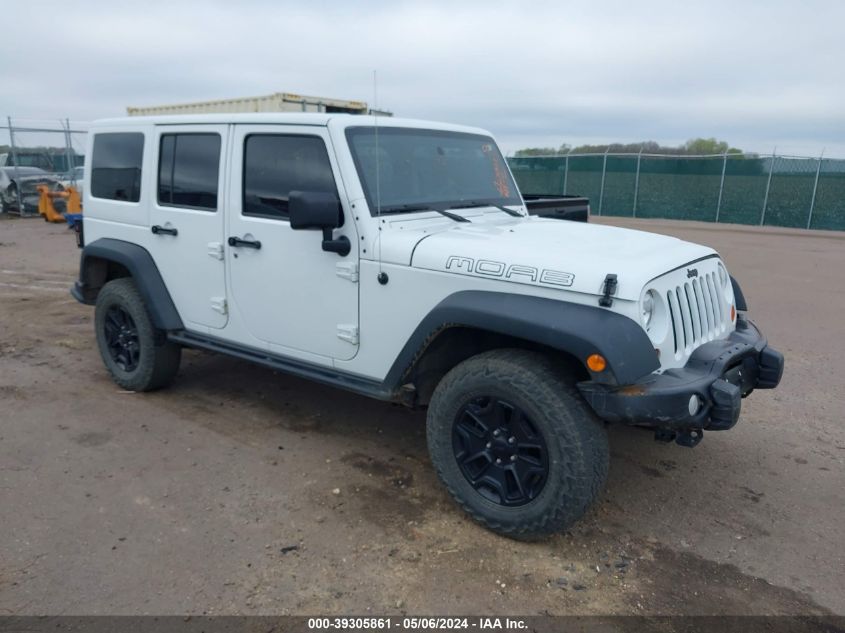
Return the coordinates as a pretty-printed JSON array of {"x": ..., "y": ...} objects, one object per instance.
[
  {"x": 514, "y": 442},
  {"x": 138, "y": 356},
  {"x": 500, "y": 451},
  {"x": 121, "y": 336}
]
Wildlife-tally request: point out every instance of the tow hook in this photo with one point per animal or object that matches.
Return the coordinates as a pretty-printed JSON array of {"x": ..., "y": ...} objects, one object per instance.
[{"x": 690, "y": 438}]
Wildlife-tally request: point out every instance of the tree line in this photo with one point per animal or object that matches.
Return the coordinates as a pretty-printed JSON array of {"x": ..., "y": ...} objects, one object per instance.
[{"x": 696, "y": 146}]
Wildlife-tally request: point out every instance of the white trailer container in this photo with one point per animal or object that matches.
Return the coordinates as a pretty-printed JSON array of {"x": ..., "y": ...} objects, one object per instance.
[{"x": 278, "y": 102}]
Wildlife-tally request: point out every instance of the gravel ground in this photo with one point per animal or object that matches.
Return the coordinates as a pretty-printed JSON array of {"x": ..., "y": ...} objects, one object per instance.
[{"x": 240, "y": 490}]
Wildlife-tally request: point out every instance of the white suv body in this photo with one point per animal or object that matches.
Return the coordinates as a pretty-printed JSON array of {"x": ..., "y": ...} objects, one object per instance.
[{"x": 431, "y": 263}]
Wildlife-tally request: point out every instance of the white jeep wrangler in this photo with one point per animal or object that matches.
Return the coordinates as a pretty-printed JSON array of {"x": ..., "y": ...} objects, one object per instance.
[{"x": 396, "y": 259}]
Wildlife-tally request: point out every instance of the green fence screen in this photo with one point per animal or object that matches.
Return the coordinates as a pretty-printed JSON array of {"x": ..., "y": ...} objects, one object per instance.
[{"x": 742, "y": 189}]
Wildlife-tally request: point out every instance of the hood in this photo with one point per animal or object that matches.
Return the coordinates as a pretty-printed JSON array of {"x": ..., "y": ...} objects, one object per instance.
[
  {"x": 549, "y": 253},
  {"x": 29, "y": 183}
]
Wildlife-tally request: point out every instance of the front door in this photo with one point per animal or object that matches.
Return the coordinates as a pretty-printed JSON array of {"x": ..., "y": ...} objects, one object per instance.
[
  {"x": 187, "y": 221},
  {"x": 290, "y": 295}
]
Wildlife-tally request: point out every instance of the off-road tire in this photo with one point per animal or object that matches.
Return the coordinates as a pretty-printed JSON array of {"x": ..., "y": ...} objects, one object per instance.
[
  {"x": 575, "y": 438},
  {"x": 158, "y": 359}
]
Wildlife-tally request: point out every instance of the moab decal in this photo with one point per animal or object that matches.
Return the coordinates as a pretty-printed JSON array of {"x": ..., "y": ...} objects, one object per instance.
[{"x": 512, "y": 272}]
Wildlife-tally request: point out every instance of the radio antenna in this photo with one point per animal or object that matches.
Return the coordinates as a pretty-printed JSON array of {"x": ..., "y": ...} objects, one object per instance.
[{"x": 378, "y": 170}]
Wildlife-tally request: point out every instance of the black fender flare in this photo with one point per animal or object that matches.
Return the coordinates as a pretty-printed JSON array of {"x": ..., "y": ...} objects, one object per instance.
[
  {"x": 576, "y": 329},
  {"x": 739, "y": 298},
  {"x": 141, "y": 266}
]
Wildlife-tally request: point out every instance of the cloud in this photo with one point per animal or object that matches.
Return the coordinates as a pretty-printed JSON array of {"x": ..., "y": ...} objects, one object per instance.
[{"x": 758, "y": 74}]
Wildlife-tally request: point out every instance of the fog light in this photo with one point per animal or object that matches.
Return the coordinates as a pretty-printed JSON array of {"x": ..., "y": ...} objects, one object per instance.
[
  {"x": 694, "y": 404},
  {"x": 596, "y": 362}
]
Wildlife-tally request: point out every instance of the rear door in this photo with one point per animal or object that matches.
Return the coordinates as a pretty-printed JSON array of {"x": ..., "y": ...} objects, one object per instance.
[
  {"x": 294, "y": 297},
  {"x": 187, "y": 221}
]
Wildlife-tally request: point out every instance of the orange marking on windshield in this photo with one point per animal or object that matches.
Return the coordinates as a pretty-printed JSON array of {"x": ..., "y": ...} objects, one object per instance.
[{"x": 501, "y": 177}]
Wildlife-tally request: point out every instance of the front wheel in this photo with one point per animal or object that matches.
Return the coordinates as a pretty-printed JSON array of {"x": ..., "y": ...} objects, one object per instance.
[
  {"x": 515, "y": 444},
  {"x": 138, "y": 357}
]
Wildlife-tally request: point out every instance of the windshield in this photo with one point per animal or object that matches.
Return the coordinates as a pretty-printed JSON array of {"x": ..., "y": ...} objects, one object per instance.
[{"x": 421, "y": 169}]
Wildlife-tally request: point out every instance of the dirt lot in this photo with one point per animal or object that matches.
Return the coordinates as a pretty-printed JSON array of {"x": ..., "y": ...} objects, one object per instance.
[{"x": 220, "y": 494}]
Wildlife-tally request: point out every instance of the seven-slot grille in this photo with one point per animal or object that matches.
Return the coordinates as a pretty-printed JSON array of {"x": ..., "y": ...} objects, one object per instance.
[{"x": 698, "y": 311}]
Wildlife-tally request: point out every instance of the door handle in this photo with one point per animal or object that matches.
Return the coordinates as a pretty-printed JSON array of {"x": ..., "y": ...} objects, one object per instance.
[
  {"x": 238, "y": 242},
  {"x": 161, "y": 230}
]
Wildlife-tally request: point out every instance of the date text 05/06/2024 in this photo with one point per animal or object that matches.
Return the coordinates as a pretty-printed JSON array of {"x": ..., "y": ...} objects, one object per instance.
[{"x": 415, "y": 623}]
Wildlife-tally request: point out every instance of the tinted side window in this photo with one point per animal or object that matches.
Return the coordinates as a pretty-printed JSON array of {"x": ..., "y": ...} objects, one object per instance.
[
  {"x": 188, "y": 170},
  {"x": 275, "y": 165},
  {"x": 116, "y": 166}
]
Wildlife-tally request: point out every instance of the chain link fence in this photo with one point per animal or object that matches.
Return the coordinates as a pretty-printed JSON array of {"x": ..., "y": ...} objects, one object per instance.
[
  {"x": 36, "y": 151},
  {"x": 790, "y": 191}
]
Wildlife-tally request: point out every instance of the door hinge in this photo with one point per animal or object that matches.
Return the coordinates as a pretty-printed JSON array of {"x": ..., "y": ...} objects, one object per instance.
[
  {"x": 347, "y": 270},
  {"x": 348, "y": 333},
  {"x": 218, "y": 304},
  {"x": 215, "y": 250}
]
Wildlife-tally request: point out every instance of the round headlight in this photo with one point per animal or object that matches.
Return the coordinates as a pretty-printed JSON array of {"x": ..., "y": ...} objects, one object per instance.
[
  {"x": 723, "y": 276},
  {"x": 648, "y": 308}
]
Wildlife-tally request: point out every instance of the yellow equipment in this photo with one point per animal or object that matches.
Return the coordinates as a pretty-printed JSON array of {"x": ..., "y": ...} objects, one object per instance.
[{"x": 45, "y": 202}]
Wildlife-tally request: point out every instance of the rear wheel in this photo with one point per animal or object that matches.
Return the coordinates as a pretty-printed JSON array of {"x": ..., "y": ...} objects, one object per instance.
[
  {"x": 138, "y": 357},
  {"x": 515, "y": 444}
]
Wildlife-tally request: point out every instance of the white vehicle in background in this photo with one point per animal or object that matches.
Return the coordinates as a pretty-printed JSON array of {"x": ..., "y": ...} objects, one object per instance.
[
  {"x": 73, "y": 178},
  {"x": 396, "y": 259}
]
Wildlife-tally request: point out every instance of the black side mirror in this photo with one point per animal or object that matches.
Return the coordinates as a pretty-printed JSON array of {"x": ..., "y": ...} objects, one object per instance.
[{"x": 318, "y": 210}]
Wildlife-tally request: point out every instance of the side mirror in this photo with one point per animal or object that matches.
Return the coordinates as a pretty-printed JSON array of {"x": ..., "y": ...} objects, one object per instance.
[
  {"x": 313, "y": 210},
  {"x": 318, "y": 210}
]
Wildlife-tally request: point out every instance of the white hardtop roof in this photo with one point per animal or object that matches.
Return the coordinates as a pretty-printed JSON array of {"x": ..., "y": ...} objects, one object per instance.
[{"x": 280, "y": 118}]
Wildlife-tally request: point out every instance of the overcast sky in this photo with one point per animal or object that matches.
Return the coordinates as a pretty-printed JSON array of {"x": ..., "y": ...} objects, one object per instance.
[{"x": 757, "y": 74}]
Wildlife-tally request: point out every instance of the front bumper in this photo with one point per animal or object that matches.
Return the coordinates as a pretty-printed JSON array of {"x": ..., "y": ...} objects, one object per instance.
[{"x": 718, "y": 374}]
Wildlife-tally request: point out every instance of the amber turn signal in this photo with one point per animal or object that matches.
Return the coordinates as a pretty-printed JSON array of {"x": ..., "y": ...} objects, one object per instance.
[
  {"x": 596, "y": 362},
  {"x": 733, "y": 313}
]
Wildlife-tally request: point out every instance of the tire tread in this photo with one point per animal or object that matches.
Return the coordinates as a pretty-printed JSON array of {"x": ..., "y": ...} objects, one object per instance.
[
  {"x": 159, "y": 360},
  {"x": 585, "y": 468}
]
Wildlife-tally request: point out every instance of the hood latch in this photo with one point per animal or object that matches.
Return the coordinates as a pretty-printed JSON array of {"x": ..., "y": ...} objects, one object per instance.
[{"x": 609, "y": 289}]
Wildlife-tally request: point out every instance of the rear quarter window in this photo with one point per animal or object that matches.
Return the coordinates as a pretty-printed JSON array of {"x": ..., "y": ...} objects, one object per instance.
[
  {"x": 116, "y": 166},
  {"x": 188, "y": 170}
]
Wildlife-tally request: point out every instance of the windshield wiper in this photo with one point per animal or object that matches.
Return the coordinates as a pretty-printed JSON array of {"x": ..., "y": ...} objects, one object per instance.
[
  {"x": 478, "y": 205},
  {"x": 407, "y": 208}
]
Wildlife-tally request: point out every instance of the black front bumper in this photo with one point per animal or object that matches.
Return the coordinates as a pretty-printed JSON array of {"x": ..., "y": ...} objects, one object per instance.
[{"x": 719, "y": 374}]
